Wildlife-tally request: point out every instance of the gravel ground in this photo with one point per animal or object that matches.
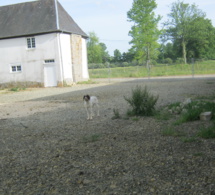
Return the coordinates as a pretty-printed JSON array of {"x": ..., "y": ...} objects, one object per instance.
[{"x": 48, "y": 147}]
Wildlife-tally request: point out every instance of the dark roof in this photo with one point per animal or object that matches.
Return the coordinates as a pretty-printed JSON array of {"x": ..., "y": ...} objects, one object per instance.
[{"x": 37, "y": 17}]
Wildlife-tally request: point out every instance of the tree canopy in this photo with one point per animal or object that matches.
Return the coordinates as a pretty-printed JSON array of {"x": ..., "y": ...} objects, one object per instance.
[
  {"x": 179, "y": 25},
  {"x": 144, "y": 31},
  {"x": 186, "y": 34}
]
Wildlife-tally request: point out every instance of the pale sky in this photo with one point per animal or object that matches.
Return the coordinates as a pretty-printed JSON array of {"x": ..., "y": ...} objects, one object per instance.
[{"x": 108, "y": 18}]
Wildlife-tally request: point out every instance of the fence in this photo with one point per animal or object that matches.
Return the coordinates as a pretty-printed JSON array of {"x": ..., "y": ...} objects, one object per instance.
[{"x": 193, "y": 69}]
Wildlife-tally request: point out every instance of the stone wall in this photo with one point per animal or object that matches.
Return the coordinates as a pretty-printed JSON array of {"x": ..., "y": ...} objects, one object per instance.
[{"x": 76, "y": 49}]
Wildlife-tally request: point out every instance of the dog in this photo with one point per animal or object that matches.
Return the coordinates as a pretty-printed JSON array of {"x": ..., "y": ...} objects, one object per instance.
[{"x": 89, "y": 103}]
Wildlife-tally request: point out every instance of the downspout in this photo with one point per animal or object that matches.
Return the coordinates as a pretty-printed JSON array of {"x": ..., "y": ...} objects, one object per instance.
[
  {"x": 59, "y": 42},
  {"x": 57, "y": 14}
]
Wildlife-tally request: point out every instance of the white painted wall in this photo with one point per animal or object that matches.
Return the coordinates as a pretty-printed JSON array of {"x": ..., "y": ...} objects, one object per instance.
[
  {"x": 66, "y": 58},
  {"x": 15, "y": 51},
  {"x": 48, "y": 46}
]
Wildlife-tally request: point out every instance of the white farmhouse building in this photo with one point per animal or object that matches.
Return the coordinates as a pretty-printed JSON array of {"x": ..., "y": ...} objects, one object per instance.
[{"x": 41, "y": 45}]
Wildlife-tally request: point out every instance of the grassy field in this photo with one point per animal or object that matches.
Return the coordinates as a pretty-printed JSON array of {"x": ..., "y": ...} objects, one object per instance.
[{"x": 199, "y": 68}]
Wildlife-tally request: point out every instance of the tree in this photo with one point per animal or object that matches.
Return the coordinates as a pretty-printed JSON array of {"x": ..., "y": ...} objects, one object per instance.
[
  {"x": 94, "y": 49},
  {"x": 128, "y": 56},
  {"x": 202, "y": 43},
  {"x": 181, "y": 17},
  {"x": 104, "y": 53},
  {"x": 117, "y": 56},
  {"x": 166, "y": 51},
  {"x": 144, "y": 32}
]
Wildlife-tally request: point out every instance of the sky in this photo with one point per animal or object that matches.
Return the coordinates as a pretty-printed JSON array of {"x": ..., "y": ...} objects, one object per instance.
[{"x": 108, "y": 18}]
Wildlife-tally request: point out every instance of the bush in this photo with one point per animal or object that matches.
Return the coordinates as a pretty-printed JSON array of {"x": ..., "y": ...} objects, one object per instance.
[
  {"x": 179, "y": 61},
  {"x": 168, "y": 61},
  {"x": 141, "y": 102}
]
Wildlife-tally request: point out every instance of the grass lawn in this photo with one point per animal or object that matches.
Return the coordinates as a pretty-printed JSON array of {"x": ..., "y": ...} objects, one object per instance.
[{"x": 206, "y": 67}]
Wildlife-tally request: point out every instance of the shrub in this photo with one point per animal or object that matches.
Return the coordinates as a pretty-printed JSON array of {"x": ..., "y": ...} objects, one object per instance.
[
  {"x": 142, "y": 102},
  {"x": 179, "y": 61},
  {"x": 168, "y": 61}
]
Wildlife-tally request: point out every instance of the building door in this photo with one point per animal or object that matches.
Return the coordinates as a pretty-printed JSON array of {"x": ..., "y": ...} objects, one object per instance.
[{"x": 50, "y": 79}]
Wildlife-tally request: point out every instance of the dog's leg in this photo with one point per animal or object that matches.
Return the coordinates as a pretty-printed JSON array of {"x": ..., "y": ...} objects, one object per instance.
[
  {"x": 88, "y": 114},
  {"x": 97, "y": 106},
  {"x": 91, "y": 112}
]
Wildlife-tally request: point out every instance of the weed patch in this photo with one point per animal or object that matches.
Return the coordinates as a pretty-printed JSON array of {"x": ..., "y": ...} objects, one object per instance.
[
  {"x": 16, "y": 89},
  {"x": 207, "y": 133},
  {"x": 188, "y": 139},
  {"x": 163, "y": 115},
  {"x": 91, "y": 138},
  {"x": 116, "y": 114},
  {"x": 172, "y": 132},
  {"x": 194, "y": 109}
]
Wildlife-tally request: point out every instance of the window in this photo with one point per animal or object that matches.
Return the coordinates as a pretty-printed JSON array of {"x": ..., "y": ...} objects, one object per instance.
[
  {"x": 16, "y": 68},
  {"x": 31, "y": 42},
  {"x": 49, "y": 61}
]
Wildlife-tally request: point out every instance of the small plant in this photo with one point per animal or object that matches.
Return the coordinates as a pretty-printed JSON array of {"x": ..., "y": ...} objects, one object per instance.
[
  {"x": 198, "y": 154},
  {"x": 168, "y": 132},
  {"x": 116, "y": 114},
  {"x": 174, "y": 105},
  {"x": 188, "y": 139},
  {"x": 92, "y": 138},
  {"x": 207, "y": 133},
  {"x": 142, "y": 102},
  {"x": 171, "y": 132},
  {"x": 163, "y": 115},
  {"x": 14, "y": 89},
  {"x": 135, "y": 119}
]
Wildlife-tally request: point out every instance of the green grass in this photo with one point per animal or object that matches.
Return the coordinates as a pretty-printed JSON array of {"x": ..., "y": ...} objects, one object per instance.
[
  {"x": 174, "y": 105},
  {"x": 163, "y": 115},
  {"x": 92, "y": 138},
  {"x": 194, "y": 109},
  {"x": 169, "y": 131},
  {"x": 207, "y": 133},
  {"x": 198, "y": 154},
  {"x": 87, "y": 82},
  {"x": 206, "y": 67},
  {"x": 188, "y": 139},
  {"x": 16, "y": 89},
  {"x": 116, "y": 114}
]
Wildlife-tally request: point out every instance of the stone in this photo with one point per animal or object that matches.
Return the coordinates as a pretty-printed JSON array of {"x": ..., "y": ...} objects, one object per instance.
[
  {"x": 186, "y": 102},
  {"x": 205, "y": 116}
]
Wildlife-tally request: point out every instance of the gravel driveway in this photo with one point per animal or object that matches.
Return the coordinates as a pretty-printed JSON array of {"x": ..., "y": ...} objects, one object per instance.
[{"x": 48, "y": 147}]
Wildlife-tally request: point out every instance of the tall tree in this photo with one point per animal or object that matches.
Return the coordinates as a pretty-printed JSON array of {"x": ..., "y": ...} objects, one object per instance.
[
  {"x": 104, "y": 53},
  {"x": 128, "y": 56},
  {"x": 181, "y": 16},
  {"x": 117, "y": 56},
  {"x": 201, "y": 44},
  {"x": 94, "y": 49},
  {"x": 144, "y": 31}
]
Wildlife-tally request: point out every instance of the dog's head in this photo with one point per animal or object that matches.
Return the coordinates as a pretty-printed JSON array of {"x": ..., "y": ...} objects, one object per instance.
[{"x": 86, "y": 98}]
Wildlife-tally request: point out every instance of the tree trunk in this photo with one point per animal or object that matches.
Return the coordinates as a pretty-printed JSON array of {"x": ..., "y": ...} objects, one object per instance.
[
  {"x": 184, "y": 51},
  {"x": 148, "y": 56}
]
